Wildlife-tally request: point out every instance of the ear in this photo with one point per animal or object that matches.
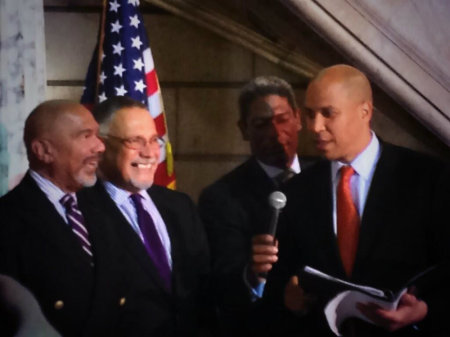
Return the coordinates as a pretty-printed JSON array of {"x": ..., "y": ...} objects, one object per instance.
[
  {"x": 43, "y": 150},
  {"x": 298, "y": 119},
  {"x": 244, "y": 130},
  {"x": 366, "y": 110}
]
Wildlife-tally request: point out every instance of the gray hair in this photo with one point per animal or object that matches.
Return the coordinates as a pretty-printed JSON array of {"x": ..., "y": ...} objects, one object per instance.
[{"x": 262, "y": 86}]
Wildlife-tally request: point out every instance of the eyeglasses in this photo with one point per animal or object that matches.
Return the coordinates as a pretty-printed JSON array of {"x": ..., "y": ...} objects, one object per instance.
[{"x": 138, "y": 143}]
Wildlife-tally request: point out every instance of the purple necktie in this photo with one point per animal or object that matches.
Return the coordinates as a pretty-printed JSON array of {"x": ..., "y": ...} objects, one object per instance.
[
  {"x": 76, "y": 222},
  {"x": 152, "y": 242}
]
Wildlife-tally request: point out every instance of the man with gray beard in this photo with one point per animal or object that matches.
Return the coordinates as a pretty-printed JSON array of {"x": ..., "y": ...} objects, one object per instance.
[
  {"x": 51, "y": 240},
  {"x": 159, "y": 228}
]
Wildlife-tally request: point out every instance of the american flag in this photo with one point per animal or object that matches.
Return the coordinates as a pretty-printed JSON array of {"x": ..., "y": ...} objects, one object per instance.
[{"x": 122, "y": 65}]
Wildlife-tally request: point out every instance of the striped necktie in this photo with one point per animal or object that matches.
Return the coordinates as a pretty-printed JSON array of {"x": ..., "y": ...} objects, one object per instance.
[
  {"x": 76, "y": 222},
  {"x": 284, "y": 176}
]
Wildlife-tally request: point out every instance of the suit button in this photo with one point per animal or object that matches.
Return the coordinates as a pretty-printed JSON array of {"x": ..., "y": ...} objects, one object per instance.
[
  {"x": 59, "y": 305},
  {"x": 122, "y": 301}
]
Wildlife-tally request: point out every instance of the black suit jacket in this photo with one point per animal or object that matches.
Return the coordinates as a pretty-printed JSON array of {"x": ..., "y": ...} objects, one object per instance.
[
  {"x": 152, "y": 310},
  {"x": 40, "y": 250},
  {"x": 404, "y": 229},
  {"x": 234, "y": 209}
]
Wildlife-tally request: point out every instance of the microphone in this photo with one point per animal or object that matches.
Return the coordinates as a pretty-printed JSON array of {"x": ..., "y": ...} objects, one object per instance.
[{"x": 277, "y": 200}]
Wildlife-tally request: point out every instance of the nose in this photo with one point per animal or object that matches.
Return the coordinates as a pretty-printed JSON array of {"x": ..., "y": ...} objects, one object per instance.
[
  {"x": 99, "y": 146},
  {"x": 315, "y": 123},
  {"x": 277, "y": 131}
]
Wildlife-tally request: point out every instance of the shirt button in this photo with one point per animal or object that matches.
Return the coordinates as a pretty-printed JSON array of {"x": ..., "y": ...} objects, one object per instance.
[{"x": 59, "y": 305}]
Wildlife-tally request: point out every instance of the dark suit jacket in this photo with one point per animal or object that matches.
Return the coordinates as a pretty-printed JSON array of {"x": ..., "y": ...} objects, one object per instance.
[
  {"x": 40, "y": 250},
  {"x": 234, "y": 209},
  {"x": 404, "y": 229},
  {"x": 154, "y": 311}
]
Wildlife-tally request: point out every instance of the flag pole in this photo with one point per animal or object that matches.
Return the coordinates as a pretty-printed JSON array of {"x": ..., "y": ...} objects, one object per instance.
[{"x": 101, "y": 38}]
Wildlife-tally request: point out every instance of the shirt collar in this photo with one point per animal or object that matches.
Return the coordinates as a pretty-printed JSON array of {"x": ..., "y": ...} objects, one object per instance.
[
  {"x": 273, "y": 171},
  {"x": 53, "y": 192},
  {"x": 119, "y": 195},
  {"x": 364, "y": 163}
]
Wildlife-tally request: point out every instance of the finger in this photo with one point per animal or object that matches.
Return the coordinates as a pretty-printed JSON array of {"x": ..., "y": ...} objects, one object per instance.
[
  {"x": 264, "y": 249},
  {"x": 370, "y": 310},
  {"x": 293, "y": 281},
  {"x": 262, "y": 258},
  {"x": 263, "y": 238}
]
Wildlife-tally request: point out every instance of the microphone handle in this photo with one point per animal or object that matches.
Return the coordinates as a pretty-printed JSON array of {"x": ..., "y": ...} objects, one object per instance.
[
  {"x": 272, "y": 230},
  {"x": 273, "y": 223}
]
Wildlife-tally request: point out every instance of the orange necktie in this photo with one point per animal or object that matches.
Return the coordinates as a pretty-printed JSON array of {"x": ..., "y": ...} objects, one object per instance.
[{"x": 347, "y": 221}]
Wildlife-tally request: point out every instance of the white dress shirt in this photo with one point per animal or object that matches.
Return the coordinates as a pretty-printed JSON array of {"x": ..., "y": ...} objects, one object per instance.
[{"x": 273, "y": 171}]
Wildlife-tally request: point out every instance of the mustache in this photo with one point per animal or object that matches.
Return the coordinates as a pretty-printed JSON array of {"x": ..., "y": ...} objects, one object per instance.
[{"x": 95, "y": 157}]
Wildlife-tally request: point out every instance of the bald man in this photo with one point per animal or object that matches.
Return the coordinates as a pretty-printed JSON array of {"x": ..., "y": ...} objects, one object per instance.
[
  {"x": 371, "y": 213},
  {"x": 52, "y": 241}
]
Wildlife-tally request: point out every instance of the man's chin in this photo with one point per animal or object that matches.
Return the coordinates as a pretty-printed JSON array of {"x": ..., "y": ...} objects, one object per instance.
[
  {"x": 141, "y": 185},
  {"x": 87, "y": 181}
]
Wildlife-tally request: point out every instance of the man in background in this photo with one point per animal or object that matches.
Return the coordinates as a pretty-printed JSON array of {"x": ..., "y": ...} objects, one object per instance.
[
  {"x": 161, "y": 233},
  {"x": 372, "y": 213},
  {"x": 235, "y": 209},
  {"x": 51, "y": 240}
]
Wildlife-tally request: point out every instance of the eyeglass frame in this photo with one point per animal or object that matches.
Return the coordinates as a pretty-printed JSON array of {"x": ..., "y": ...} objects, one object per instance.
[{"x": 142, "y": 141}]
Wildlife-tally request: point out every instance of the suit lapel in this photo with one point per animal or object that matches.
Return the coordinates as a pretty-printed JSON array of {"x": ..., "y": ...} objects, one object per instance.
[
  {"x": 128, "y": 236},
  {"x": 322, "y": 220},
  {"x": 380, "y": 202},
  {"x": 43, "y": 217},
  {"x": 170, "y": 220},
  {"x": 256, "y": 182}
]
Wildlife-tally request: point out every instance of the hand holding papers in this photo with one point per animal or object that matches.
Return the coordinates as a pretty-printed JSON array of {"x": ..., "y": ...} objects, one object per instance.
[{"x": 342, "y": 296}]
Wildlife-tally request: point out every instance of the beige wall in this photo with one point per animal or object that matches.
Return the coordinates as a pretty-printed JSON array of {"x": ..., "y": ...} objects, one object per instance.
[{"x": 200, "y": 76}]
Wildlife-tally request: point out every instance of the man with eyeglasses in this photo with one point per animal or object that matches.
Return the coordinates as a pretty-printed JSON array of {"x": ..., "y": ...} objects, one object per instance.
[{"x": 159, "y": 228}]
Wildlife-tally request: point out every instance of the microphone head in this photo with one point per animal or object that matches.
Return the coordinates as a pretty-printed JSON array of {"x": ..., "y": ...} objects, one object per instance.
[{"x": 277, "y": 200}]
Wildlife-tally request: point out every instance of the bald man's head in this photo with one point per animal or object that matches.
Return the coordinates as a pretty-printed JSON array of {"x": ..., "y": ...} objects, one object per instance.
[
  {"x": 62, "y": 144},
  {"x": 352, "y": 80},
  {"x": 338, "y": 110},
  {"x": 41, "y": 121}
]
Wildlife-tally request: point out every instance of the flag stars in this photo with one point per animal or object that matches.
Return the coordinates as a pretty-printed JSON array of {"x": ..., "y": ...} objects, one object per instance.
[
  {"x": 102, "y": 97},
  {"x": 103, "y": 77},
  {"x": 118, "y": 48},
  {"x": 115, "y": 27},
  {"x": 114, "y": 6},
  {"x": 136, "y": 42},
  {"x": 134, "y": 21},
  {"x": 121, "y": 91},
  {"x": 134, "y": 2},
  {"x": 139, "y": 86},
  {"x": 138, "y": 64},
  {"x": 119, "y": 70}
]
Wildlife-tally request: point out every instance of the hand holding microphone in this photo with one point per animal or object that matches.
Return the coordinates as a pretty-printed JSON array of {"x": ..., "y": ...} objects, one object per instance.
[{"x": 265, "y": 246}]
